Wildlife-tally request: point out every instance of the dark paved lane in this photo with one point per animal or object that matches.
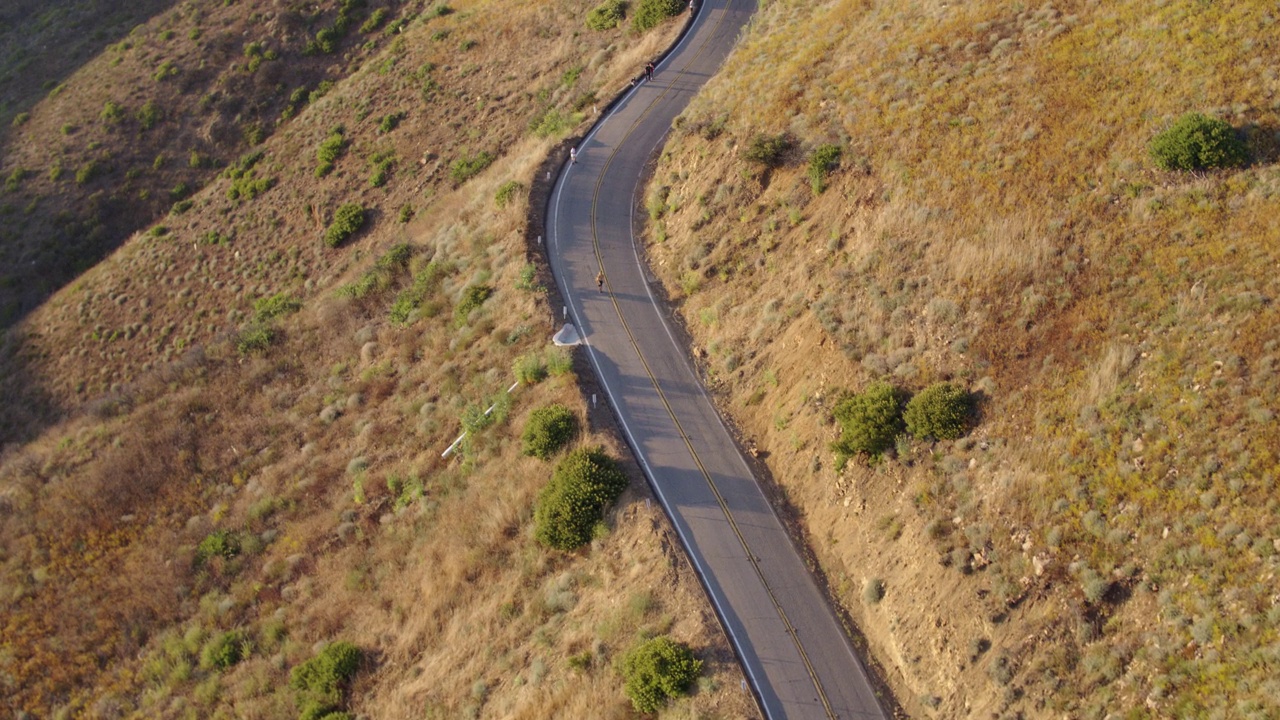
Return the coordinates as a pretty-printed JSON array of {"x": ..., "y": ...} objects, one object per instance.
[{"x": 793, "y": 649}]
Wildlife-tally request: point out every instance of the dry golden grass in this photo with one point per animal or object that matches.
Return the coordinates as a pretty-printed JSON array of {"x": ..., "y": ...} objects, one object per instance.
[
  {"x": 996, "y": 221},
  {"x": 321, "y": 452}
]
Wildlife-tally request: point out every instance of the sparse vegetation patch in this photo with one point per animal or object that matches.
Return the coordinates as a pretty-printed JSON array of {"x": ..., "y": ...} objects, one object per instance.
[
  {"x": 468, "y": 166},
  {"x": 331, "y": 148}
]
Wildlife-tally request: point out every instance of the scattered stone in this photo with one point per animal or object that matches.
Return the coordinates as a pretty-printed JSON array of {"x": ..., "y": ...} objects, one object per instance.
[
  {"x": 368, "y": 352},
  {"x": 329, "y": 414}
]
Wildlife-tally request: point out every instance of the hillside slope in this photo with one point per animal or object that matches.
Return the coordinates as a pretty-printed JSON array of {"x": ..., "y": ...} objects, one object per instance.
[
  {"x": 1104, "y": 538},
  {"x": 223, "y": 441}
]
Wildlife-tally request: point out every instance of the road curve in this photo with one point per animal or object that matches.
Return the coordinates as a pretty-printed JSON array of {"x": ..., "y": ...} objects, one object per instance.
[{"x": 793, "y": 649}]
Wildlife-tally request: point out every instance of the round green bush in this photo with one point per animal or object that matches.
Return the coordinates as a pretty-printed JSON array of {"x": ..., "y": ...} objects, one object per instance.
[
  {"x": 940, "y": 411},
  {"x": 319, "y": 680},
  {"x": 767, "y": 150},
  {"x": 549, "y": 429},
  {"x": 220, "y": 543},
  {"x": 1197, "y": 142},
  {"x": 222, "y": 651},
  {"x": 347, "y": 221},
  {"x": 651, "y": 13},
  {"x": 657, "y": 670},
  {"x": 584, "y": 484},
  {"x": 870, "y": 421}
]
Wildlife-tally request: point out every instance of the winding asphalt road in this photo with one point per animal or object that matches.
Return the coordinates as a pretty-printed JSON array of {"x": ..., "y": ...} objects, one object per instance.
[{"x": 794, "y": 651}]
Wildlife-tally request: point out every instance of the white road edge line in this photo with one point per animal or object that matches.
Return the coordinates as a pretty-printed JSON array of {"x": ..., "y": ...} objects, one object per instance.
[{"x": 553, "y": 246}]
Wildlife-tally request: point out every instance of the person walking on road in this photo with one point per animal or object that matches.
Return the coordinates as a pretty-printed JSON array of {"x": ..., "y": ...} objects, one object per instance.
[
  {"x": 573, "y": 156},
  {"x": 600, "y": 281},
  {"x": 648, "y": 72}
]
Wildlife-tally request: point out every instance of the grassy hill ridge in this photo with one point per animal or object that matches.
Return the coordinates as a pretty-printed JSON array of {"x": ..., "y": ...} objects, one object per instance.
[
  {"x": 1105, "y": 537},
  {"x": 239, "y": 460}
]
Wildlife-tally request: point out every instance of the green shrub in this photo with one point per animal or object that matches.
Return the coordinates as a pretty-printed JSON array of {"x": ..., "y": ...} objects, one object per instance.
[
  {"x": 549, "y": 429},
  {"x": 559, "y": 361},
  {"x": 374, "y": 22},
  {"x": 148, "y": 115},
  {"x": 767, "y": 150},
  {"x": 347, "y": 221},
  {"x": 256, "y": 338},
  {"x": 21, "y": 119},
  {"x": 870, "y": 421},
  {"x": 529, "y": 369},
  {"x": 391, "y": 121},
  {"x": 15, "y": 179},
  {"x": 468, "y": 166},
  {"x": 269, "y": 308},
  {"x": 166, "y": 70},
  {"x": 553, "y": 123},
  {"x": 822, "y": 161},
  {"x": 411, "y": 298},
  {"x": 607, "y": 15},
  {"x": 1197, "y": 142},
  {"x": 657, "y": 670},
  {"x": 112, "y": 112},
  {"x": 321, "y": 90},
  {"x": 382, "y": 274},
  {"x": 330, "y": 150},
  {"x": 319, "y": 681},
  {"x": 472, "y": 298},
  {"x": 246, "y": 185},
  {"x": 651, "y": 13},
  {"x": 223, "y": 651},
  {"x": 940, "y": 411},
  {"x": 382, "y": 162},
  {"x": 583, "y": 485},
  {"x": 220, "y": 543},
  {"x": 507, "y": 192},
  {"x": 88, "y": 171}
]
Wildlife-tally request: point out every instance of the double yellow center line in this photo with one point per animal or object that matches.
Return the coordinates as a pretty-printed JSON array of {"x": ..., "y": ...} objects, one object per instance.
[{"x": 755, "y": 564}]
